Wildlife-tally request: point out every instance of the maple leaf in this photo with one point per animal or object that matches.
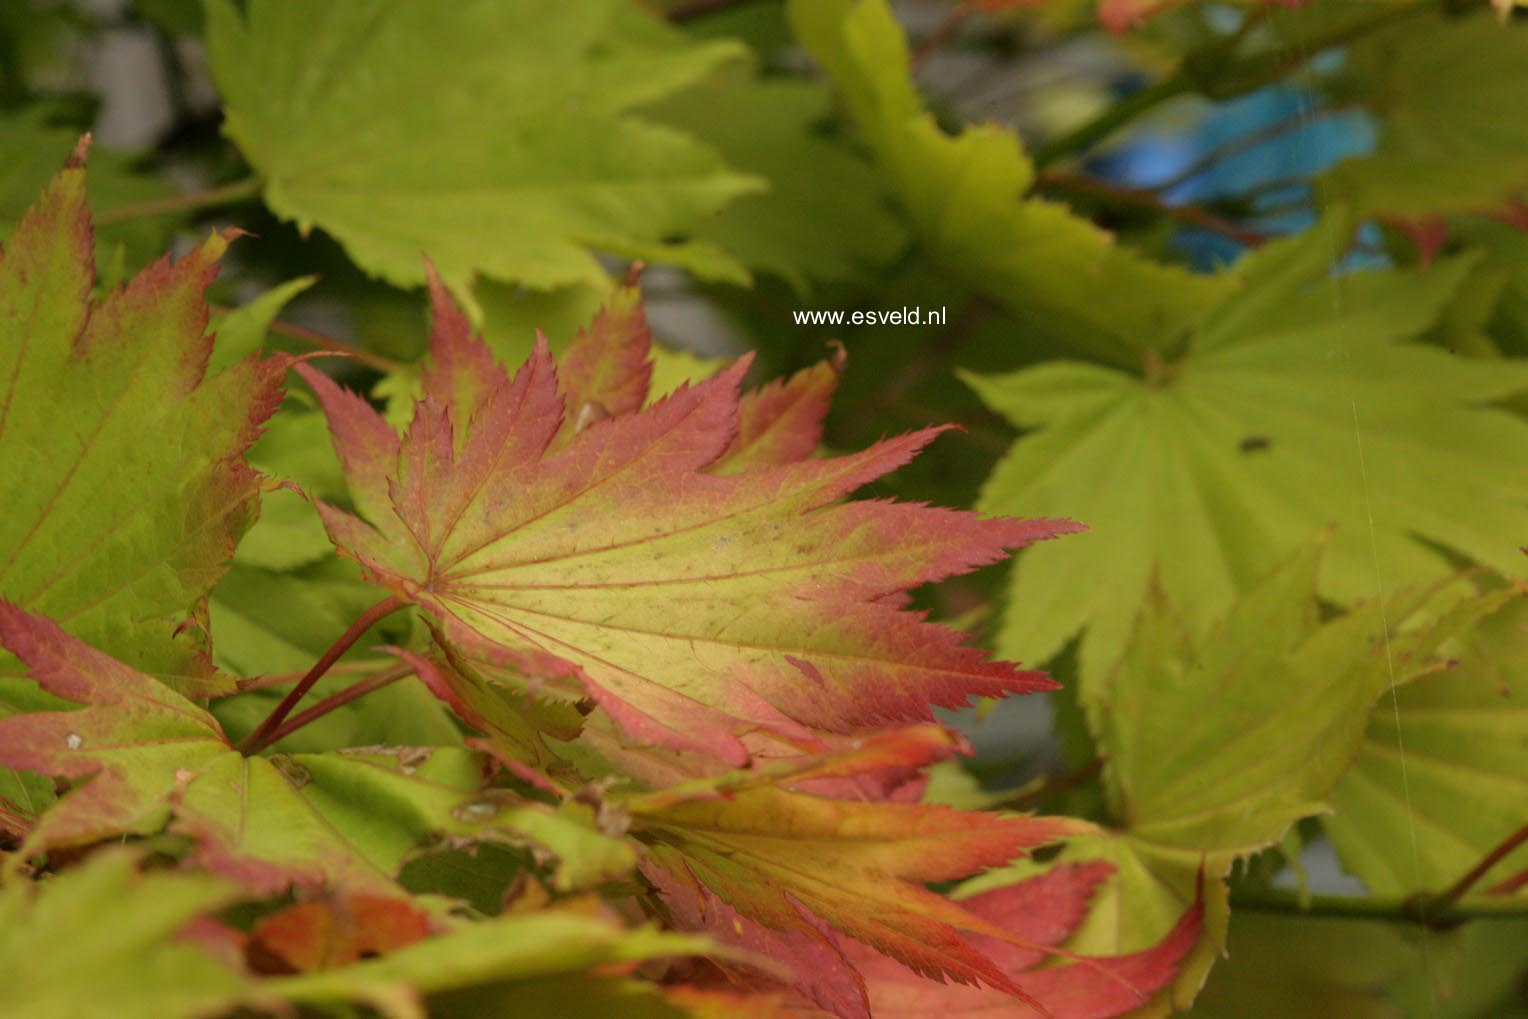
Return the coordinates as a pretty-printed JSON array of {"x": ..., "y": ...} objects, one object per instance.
[
  {"x": 783, "y": 871},
  {"x": 513, "y": 166},
  {"x": 1432, "y": 88},
  {"x": 1267, "y": 662},
  {"x": 334, "y": 932},
  {"x": 853, "y": 981},
  {"x": 1190, "y": 802},
  {"x": 136, "y": 742},
  {"x": 140, "y": 752},
  {"x": 696, "y": 606},
  {"x": 1441, "y": 767},
  {"x": 1042, "y": 911},
  {"x": 124, "y": 486},
  {"x": 1207, "y": 472},
  {"x": 831, "y": 224},
  {"x": 100, "y": 939}
]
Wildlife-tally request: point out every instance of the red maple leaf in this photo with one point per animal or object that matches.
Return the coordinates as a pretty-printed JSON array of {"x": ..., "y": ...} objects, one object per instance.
[{"x": 686, "y": 563}]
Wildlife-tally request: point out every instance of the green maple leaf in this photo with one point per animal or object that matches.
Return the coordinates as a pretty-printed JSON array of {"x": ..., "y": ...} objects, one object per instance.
[
  {"x": 123, "y": 477},
  {"x": 241, "y": 332},
  {"x": 1310, "y": 966},
  {"x": 101, "y": 940},
  {"x": 1443, "y": 769},
  {"x": 831, "y": 223},
  {"x": 1064, "y": 279},
  {"x": 1188, "y": 799},
  {"x": 1279, "y": 704},
  {"x": 513, "y": 164},
  {"x": 1441, "y": 88},
  {"x": 1299, "y": 404},
  {"x": 140, "y": 753}
]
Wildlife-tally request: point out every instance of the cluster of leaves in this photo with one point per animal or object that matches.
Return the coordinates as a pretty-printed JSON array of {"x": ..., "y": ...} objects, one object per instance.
[{"x": 539, "y": 668}]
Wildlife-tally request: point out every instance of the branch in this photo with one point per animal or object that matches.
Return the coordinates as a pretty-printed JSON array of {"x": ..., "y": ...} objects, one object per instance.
[
  {"x": 320, "y": 341},
  {"x": 1388, "y": 909},
  {"x": 260, "y": 737},
  {"x": 228, "y": 194},
  {"x": 1145, "y": 198}
]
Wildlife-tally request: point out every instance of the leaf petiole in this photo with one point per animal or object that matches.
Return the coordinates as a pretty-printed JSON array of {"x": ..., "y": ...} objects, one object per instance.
[
  {"x": 340, "y": 698},
  {"x": 261, "y": 737}
]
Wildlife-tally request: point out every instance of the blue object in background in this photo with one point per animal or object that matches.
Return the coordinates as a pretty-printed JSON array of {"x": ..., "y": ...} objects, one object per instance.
[{"x": 1272, "y": 171}]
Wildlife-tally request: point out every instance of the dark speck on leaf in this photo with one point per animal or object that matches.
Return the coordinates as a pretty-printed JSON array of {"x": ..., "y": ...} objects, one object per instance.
[{"x": 1255, "y": 444}]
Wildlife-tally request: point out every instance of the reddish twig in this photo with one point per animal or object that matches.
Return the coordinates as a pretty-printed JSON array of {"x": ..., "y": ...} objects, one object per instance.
[
  {"x": 336, "y": 700},
  {"x": 260, "y": 737},
  {"x": 286, "y": 678}
]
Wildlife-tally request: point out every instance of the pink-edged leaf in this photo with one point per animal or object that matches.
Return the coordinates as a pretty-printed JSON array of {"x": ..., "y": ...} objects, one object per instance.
[
  {"x": 138, "y": 751},
  {"x": 781, "y": 422},
  {"x": 135, "y": 740},
  {"x": 1044, "y": 911},
  {"x": 860, "y": 768},
  {"x": 699, "y": 610},
  {"x": 607, "y": 370},
  {"x": 142, "y": 755},
  {"x": 513, "y": 723},
  {"x": 335, "y": 931},
  {"x": 814, "y": 963},
  {"x": 858, "y": 867},
  {"x": 125, "y": 486}
]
